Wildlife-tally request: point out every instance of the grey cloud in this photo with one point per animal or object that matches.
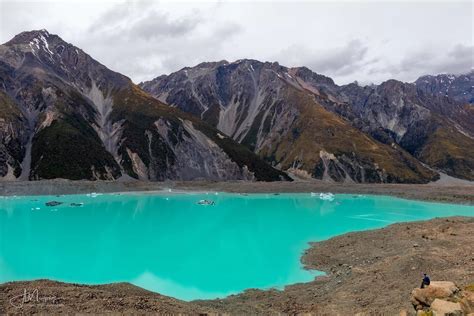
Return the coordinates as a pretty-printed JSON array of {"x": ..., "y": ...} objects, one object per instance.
[
  {"x": 227, "y": 31},
  {"x": 138, "y": 20},
  {"x": 416, "y": 60},
  {"x": 339, "y": 61},
  {"x": 458, "y": 60},
  {"x": 156, "y": 25},
  {"x": 146, "y": 38},
  {"x": 145, "y": 43}
]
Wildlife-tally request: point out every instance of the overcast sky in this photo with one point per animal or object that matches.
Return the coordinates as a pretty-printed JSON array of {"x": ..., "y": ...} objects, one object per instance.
[{"x": 351, "y": 40}]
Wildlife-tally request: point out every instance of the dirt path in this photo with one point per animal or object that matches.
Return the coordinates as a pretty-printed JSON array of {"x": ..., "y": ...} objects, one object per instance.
[{"x": 371, "y": 271}]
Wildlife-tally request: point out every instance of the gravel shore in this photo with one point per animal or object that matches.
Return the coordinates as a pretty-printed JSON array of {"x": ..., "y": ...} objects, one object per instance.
[{"x": 461, "y": 192}]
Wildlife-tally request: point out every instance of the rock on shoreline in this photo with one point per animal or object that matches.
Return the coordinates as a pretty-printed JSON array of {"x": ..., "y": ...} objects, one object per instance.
[{"x": 443, "y": 298}]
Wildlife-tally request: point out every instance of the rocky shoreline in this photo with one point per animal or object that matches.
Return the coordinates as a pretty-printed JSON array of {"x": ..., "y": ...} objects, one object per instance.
[
  {"x": 369, "y": 272},
  {"x": 457, "y": 192}
]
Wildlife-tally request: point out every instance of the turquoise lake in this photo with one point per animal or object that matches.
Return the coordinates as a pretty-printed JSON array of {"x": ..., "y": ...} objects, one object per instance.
[{"x": 170, "y": 244}]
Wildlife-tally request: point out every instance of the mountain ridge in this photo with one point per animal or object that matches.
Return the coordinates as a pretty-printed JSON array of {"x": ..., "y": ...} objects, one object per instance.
[
  {"x": 386, "y": 112},
  {"x": 84, "y": 121},
  {"x": 66, "y": 115}
]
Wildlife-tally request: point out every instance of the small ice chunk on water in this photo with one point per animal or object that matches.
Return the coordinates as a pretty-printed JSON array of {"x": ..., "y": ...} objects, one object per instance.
[{"x": 326, "y": 196}]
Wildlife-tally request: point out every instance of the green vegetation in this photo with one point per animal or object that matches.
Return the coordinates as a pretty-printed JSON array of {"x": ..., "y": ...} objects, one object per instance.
[
  {"x": 250, "y": 139},
  {"x": 211, "y": 116},
  {"x": 317, "y": 129},
  {"x": 8, "y": 109},
  {"x": 141, "y": 111},
  {"x": 449, "y": 150},
  {"x": 70, "y": 149},
  {"x": 470, "y": 287},
  {"x": 243, "y": 156}
]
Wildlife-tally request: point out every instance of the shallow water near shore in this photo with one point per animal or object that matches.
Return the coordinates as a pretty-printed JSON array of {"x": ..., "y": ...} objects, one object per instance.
[{"x": 170, "y": 244}]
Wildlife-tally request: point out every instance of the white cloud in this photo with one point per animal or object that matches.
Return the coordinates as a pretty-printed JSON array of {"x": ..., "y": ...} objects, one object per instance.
[
  {"x": 338, "y": 61},
  {"x": 355, "y": 40}
]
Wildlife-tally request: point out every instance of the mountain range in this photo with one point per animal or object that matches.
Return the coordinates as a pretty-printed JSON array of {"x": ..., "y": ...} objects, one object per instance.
[
  {"x": 303, "y": 122},
  {"x": 65, "y": 115}
]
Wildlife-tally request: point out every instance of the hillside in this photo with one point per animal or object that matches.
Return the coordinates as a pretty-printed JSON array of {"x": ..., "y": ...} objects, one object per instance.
[
  {"x": 303, "y": 122},
  {"x": 68, "y": 116}
]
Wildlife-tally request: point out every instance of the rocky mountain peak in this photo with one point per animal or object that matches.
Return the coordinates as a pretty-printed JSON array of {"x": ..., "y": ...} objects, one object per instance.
[
  {"x": 459, "y": 87},
  {"x": 48, "y": 53},
  {"x": 394, "y": 87},
  {"x": 65, "y": 115},
  {"x": 308, "y": 75},
  {"x": 29, "y": 36},
  {"x": 40, "y": 43},
  {"x": 212, "y": 64}
]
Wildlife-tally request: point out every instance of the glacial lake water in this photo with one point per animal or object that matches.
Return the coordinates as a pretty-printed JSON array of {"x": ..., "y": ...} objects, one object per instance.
[{"x": 170, "y": 244}]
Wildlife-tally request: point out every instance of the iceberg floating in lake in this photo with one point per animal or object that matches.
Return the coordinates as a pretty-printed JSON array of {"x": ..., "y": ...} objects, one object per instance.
[
  {"x": 326, "y": 196},
  {"x": 93, "y": 194}
]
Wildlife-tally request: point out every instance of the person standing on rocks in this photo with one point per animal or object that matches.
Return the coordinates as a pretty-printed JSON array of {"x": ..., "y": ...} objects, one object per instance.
[{"x": 426, "y": 281}]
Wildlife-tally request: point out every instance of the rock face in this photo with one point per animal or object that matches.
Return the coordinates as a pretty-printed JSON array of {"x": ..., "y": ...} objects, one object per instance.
[
  {"x": 436, "y": 130},
  {"x": 289, "y": 116},
  {"x": 64, "y": 115},
  {"x": 297, "y": 119},
  {"x": 442, "y": 307},
  {"x": 436, "y": 290},
  {"x": 457, "y": 87},
  {"x": 13, "y": 132}
]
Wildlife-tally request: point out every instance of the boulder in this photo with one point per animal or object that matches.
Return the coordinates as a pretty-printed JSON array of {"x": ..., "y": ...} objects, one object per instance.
[
  {"x": 423, "y": 313},
  {"x": 467, "y": 302},
  {"x": 447, "y": 287},
  {"x": 446, "y": 308},
  {"x": 53, "y": 203},
  {"x": 421, "y": 298}
]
